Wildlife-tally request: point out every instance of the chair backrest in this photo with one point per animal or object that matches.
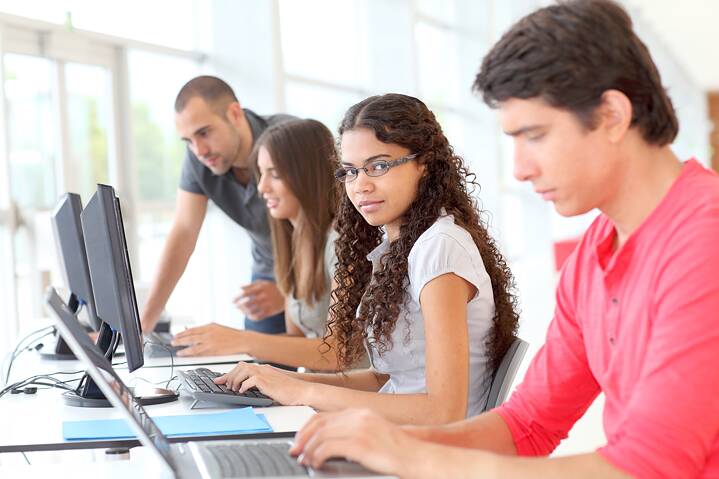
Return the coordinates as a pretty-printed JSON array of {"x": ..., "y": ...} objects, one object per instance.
[{"x": 505, "y": 373}]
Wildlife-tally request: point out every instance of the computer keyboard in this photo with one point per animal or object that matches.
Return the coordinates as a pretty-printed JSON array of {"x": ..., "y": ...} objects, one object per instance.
[
  {"x": 199, "y": 383},
  {"x": 256, "y": 460}
]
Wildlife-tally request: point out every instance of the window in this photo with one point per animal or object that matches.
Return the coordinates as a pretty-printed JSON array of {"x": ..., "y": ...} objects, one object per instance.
[
  {"x": 155, "y": 80},
  {"x": 158, "y": 152},
  {"x": 314, "y": 31},
  {"x": 68, "y": 113},
  {"x": 7, "y": 289},
  {"x": 89, "y": 119},
  {"x": 133, "y": 19},
  {"x": 325, "y": 104},
  {"x": 438, "y": 65},
  {"x": 31, "y": 126}
]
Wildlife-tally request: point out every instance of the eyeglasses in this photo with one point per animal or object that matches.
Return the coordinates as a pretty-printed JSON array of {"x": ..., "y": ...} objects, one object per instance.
[{"x": 347, "y": 174}]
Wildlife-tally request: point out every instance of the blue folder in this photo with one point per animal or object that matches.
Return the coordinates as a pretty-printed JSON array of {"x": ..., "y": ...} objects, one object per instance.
[{"x": 236, "y": 421}]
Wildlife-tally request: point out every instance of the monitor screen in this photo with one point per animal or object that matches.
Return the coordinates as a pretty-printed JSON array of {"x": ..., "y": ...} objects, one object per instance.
[
  {"x": 70, "y": 243},
  {"x": 110, "y": 271}
]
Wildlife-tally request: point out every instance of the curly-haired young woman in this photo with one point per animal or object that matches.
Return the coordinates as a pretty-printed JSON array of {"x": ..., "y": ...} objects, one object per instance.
[{"x": 420, "y": 285}]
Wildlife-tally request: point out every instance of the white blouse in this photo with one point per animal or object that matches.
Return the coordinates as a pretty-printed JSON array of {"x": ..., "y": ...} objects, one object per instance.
[
  {"x": 312, "y": 318},
  {"x": 444, "y": 248}
]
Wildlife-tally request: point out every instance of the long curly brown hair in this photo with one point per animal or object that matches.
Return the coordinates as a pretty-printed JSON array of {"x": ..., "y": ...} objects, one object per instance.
[{"x": 365, "y": 301}]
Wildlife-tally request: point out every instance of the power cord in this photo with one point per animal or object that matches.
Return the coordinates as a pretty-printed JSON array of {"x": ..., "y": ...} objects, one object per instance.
[
  {"x": 23, "y": 345},
  {"x": 172, "y": 363},
  {"x": 160, "y": 383},
  {"x": 26, "y": 385}
]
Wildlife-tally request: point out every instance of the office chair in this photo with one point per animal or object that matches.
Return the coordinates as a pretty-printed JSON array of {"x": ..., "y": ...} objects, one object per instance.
[{"x": 505, "y": 373}]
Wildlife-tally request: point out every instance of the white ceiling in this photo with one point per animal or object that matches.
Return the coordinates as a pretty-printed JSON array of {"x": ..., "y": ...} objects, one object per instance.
[{"x": 690, "y": 29}]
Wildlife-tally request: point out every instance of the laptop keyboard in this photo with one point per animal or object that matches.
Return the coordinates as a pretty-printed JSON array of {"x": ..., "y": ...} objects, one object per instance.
[
  {"x": 202, "y": 378},
  {"x": 256, "y": 460}
]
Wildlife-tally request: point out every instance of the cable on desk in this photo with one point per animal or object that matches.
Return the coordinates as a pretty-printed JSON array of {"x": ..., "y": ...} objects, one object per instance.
[
  {"x": 37, "y": 380},
  {"x": 20, "y": 347},
  {"x": 172, "y": 360},
  {"x": 159, "y": 383}
]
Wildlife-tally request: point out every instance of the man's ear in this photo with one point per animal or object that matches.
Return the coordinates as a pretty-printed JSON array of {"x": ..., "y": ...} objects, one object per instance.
[
  {"x": 235, "y": 114},
  {"x": 615, "y": 114}
]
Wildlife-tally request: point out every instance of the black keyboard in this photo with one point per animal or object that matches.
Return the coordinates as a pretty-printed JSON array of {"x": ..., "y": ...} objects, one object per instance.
[
  {"x": 256, "y": 460},
  {"x": 199, "y": 382}
]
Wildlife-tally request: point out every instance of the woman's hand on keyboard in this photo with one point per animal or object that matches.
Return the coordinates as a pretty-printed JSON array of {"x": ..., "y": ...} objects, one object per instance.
[
  {"x": 273, "y": 382},
  {"x": 211, "y": 340}
]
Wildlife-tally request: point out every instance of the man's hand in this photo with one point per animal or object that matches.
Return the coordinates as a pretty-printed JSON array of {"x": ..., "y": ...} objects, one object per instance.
[
  {"x": 260, "y": 299},
  {"x": 212, "y": 340},
  {"x": 360, "y": 436}
]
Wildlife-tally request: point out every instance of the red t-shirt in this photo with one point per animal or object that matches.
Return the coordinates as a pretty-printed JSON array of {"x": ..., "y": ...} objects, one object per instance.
[{"x": 640, "y": 325}]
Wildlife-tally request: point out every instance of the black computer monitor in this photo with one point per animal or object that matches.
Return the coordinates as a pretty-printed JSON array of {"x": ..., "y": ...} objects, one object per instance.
[
  {"x": 114, "y": 293},
  {"x": 73, "y": 261},
  {"x": 110, "y": 271}
]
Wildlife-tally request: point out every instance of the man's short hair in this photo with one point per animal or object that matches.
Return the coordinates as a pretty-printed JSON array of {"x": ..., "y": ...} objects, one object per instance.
[
  {"x": 569, "y": 54},
  {"x": 216, "y": 93}
]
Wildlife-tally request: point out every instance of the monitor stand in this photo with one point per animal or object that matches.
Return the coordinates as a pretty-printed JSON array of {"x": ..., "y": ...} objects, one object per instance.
[
  {"x": 143, "y": 395},
  {"x": 59, "y": 350},
  {"x": 90, "y": 395}
]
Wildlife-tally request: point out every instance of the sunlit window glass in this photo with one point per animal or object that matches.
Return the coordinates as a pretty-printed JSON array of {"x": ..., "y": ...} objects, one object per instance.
[
  {"x": 323, "y": 104},
  {"x": 32, "y": 139},
  {"x": 134, "y": 19},
  {"x": 89, "y": 111},
  {"x": 325, "y": 40},
  {"x": 158, "y": 151}
]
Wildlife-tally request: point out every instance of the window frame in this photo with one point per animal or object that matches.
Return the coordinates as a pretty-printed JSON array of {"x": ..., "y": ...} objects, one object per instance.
[{"x": 41, "y": 39}]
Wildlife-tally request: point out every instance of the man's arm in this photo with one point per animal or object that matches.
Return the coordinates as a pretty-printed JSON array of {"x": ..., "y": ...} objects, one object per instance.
[
  {"x": 467, "y": 463},
  {"x": 190, "y": 209},
  {"x": 376, "y": 443},
  {"x": 487, "y": 431}
]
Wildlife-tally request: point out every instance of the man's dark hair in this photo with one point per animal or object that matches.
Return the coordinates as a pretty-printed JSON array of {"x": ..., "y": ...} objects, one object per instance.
[
  {"x": 216, "y": 93},
  {"x": 569, "y": 54}
]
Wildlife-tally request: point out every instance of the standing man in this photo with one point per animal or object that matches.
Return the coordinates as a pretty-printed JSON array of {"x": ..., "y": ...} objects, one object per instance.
[
  {"x": 637, "y": 315},
  {"x": 219, "y": 135}
]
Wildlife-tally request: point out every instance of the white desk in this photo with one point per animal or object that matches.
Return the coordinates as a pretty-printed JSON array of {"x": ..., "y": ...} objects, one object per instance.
[
  {"x": 34, "y": 422},
  {"x": 79, "y": 470},
  {"x": 140, "y": 464},
  {"x": 192, "y": 360}
]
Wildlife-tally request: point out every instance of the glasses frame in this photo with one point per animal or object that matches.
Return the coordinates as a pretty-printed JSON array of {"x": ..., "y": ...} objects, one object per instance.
[{"x": 390, "y": 164}]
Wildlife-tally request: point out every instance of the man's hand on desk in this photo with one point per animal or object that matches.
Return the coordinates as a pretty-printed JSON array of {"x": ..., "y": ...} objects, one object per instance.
[
  {"x": 260, "y": 299},
  {"x": 212, "y": 340}
]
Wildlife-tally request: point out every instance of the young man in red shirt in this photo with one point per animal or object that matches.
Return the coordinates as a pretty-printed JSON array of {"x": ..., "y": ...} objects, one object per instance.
[{"x": 637, "y": 302}]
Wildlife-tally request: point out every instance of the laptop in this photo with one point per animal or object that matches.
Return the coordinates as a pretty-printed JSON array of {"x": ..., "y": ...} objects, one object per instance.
[{"x": 249, "y": 458}]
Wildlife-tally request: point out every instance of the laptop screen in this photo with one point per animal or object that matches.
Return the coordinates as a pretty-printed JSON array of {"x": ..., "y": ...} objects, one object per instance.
[{"x": 100, "y": 369}]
